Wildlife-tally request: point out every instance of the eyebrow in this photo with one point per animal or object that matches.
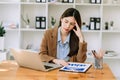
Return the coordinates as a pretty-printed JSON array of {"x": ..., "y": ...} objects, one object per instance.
[{"x": 70, "y": 22}]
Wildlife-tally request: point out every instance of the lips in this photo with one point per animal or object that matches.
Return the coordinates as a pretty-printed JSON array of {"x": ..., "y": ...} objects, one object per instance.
[{"x": 66, "y": 29}]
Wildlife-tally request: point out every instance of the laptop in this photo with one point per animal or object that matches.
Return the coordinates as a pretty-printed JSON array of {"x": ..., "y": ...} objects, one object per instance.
[{"x": 31, "y": 59}]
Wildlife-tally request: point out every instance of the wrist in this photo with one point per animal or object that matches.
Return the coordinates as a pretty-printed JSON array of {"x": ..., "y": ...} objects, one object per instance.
[
  {"x": 54, "y": 60},
  {"x": 81, "y": 40}
]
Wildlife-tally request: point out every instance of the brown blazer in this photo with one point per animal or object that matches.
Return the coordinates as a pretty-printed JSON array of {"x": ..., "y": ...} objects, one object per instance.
[{"x": 48, "y": 48}]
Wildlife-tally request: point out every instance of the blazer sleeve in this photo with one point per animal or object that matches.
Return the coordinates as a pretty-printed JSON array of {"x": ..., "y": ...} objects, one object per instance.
[
  {"x": 81, "y": 55},
  {"x": 44, "y": 55}
]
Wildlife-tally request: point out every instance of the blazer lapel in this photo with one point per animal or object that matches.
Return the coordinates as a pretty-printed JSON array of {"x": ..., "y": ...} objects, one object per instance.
[{"x": 54, "y": 39}]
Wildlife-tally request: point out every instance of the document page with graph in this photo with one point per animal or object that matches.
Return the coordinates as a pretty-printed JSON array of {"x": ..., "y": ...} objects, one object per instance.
[{"x": 76, "y": 67}]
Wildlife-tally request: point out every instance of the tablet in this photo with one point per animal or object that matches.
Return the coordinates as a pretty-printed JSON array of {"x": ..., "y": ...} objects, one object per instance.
[{"x": 76, "y": 67}]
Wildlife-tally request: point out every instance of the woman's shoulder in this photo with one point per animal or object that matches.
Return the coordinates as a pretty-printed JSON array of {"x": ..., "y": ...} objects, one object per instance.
[{"x": 52, "y": 30}]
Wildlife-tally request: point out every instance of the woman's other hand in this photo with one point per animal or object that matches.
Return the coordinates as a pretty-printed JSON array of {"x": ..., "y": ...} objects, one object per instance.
[{"x": 78, "y": 32}]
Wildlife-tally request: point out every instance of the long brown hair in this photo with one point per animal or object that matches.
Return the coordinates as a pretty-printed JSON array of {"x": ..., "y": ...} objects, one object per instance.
[{"x": 74, "y": 41}]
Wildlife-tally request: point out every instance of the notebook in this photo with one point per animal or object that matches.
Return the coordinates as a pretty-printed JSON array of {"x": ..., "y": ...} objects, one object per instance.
[
  {"x": 76, "y": 67},
  {"x": 31, "y": 59}
]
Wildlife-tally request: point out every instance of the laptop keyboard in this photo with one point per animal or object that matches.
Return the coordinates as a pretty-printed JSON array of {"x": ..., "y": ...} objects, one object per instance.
[{"x": 48, "y": 67}]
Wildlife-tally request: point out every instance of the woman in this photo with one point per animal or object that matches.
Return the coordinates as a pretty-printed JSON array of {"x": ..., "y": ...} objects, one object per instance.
[{"x": 65, "y": 42}]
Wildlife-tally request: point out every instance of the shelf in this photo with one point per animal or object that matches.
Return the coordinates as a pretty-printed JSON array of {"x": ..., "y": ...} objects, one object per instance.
[
  {"x": 95, "y": 38},
  {"x": 32, "y": 29},
  {"x": 60, "y": 3},
  {"x": 87, "y": 4},
  {"x": 111, "y": 5},
  {"x": 90, "y": 56},
  {"x": 33, "y": 3},
  {"x": 12, "y": 29},
  {"x": 111, "y": 31},
  {"x": 91, "y": 31},
  {"x": 9, "y": 3}
]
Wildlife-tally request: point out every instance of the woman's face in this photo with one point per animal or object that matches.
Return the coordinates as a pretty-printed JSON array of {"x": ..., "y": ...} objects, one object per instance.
[{"x": 67, "y": 24}]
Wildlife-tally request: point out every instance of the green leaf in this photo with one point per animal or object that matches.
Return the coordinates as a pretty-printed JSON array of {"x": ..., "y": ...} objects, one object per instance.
[{"x": 2, "y": 30}]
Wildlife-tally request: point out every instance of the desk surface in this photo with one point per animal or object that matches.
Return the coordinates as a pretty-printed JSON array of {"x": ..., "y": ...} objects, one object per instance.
[{"x": 29, "y": 74}]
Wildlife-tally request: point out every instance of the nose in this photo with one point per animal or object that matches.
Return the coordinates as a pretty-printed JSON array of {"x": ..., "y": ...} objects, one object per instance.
[{"x": 68, "y": 25}]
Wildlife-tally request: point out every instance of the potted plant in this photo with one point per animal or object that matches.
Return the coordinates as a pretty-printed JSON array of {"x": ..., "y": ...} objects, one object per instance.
[
  {"x": 111, "y": 25},
  {"x": 106, "y": 25},
  {"x": 26, "y": 20},
  {"x": 53, "y": 21},
  {"x": 2, "y": 33}
]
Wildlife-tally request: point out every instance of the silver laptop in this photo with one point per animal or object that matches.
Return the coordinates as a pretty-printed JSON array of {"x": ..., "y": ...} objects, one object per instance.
[{"x": 31, "y": 59}]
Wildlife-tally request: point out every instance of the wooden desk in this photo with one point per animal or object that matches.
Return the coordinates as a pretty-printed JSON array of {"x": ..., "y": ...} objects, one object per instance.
[{"x": 29, "y": 74}]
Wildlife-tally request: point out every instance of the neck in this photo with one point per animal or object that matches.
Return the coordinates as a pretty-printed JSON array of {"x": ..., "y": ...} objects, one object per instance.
[{"x": 63, "y": 35}]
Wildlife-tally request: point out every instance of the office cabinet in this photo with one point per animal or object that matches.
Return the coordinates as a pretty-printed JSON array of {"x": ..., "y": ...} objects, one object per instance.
[{"x": 20, "y": 36}]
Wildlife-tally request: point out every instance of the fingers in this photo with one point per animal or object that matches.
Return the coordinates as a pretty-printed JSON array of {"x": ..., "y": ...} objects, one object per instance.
[
  {"x": 60, "y": 62},
  {"x": 74, "y": 30},
  {"x": 76, "y": 24}
]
